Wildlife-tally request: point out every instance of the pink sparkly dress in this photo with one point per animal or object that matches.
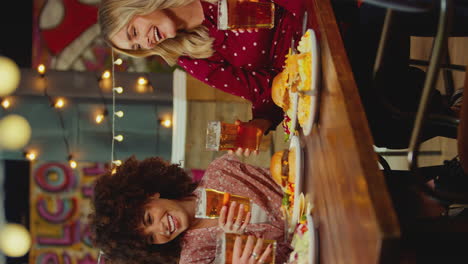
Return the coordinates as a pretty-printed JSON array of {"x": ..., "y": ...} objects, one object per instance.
[{"x": 229, "y": 174}]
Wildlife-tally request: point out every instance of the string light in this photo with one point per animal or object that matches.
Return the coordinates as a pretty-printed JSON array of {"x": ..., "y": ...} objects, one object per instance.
[
  {"x": 142, "y": 81},
  {"x": 6, "y": 103},
  {"x": 106, "y": 75},
  {"x": 41, "y": 69},
  {"x": 118, "y": 90},
  {"x": 166, "y": 122},
  {"x": 99, "y": 118},
  {"x": 118, "y": 61},
  {"x": 119, "y": 114},
  {"x": 30, "y": 155},
  {"x": 119, "y": 138},
  {"x": 117, "y": 162},
  {"x": 72, "y": 162},
  {"x": 59, "y": 103}
]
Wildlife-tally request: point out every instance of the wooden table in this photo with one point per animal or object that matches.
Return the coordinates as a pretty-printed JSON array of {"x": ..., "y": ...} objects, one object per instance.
[{"x": 355, "y": 215}]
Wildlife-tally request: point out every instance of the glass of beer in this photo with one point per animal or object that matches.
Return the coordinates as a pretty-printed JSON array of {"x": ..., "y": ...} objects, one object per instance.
[
  {"x": 210, "y": 203},
  {"x": 225, "y": 247},
  {"x": 235, "y": 14},
  {"x": 225, "y": 136}
]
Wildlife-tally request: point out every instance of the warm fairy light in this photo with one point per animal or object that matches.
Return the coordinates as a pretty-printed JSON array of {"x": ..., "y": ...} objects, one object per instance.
[
  {"x": 31, "y": 155},
  {"x": 119, "y": 138},
  {"x": 166, "y": 123},
  {"x": 142, "y": 81},
  {"x": 106, "y": 75},
  {"x": 15, "y": 240},
  {"x": 117, "y": 162},
  {"x": 118, "y": 61},
  {"x": 73, "y": 164},
  {"x": 15, "y": 132},
  {"x": 6, "y": 103},
  {"x": 59, "y": 103},
  {"x": 9, "y": 75},
  {"x": 118, "y": 90},
  {"x": 119, "y": 113},
  {"x": 41, "y": 69},
  {"x": 99, "y": 118},
  {"x": 114, "y": 171}
]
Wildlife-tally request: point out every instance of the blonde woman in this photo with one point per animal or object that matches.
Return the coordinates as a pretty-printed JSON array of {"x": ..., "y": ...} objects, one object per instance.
[{"x": 184, "y": 32}]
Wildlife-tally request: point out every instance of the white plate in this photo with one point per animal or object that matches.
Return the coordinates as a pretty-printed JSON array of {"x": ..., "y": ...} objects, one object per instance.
[
  {"x": 295, "y": 143},
  {"x": 315, "y": 88},
  {"x": 313, "y": 240}
]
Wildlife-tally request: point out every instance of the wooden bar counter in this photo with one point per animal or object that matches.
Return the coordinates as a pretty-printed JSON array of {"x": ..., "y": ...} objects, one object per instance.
[{"x": 353, "y": 210}]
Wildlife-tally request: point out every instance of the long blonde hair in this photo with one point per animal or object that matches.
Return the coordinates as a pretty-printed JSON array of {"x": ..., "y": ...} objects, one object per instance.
[{"x": 115, "y": 14}]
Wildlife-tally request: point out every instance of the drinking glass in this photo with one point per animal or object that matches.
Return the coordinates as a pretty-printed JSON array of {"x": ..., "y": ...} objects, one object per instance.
[
  {"x": 235, "y": 14},
  {"x": 225, "y": 136}
]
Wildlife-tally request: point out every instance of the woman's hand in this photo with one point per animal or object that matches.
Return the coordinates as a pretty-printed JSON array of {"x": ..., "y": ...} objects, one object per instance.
[
  {"x": 261, "y": 124},
  {"x": 250, "y": 254},
  {"x": 232, "y": 221}
]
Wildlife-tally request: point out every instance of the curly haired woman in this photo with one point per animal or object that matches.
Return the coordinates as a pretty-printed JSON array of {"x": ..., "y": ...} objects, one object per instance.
[
  {"x": 145, "y": 213},
  {"x": 184, "y": 32}
]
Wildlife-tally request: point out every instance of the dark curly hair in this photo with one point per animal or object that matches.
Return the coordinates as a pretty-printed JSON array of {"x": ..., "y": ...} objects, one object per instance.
[{"x": 118, "y": 206}]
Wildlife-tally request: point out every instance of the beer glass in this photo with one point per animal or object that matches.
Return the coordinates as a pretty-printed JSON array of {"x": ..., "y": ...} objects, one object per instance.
[
  {"x": 225, "y": 248},
  {"x": 225, "y": 136},
  {"x": 235, "y": 14}
]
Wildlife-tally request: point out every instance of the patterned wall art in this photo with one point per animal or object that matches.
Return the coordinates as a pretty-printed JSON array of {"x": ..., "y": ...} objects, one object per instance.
[
  {"x": 60, "y": 204},
  {"x": 66, "y": 36}
]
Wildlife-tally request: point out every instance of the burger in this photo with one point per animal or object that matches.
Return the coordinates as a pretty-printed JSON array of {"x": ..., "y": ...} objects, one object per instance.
[
  {"x": 283, "y": 171},
  {"x": 282, "y": 167}
]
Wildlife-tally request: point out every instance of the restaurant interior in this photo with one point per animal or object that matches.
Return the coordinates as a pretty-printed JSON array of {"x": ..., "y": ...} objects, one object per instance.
[{"x": 73, "y": 124}]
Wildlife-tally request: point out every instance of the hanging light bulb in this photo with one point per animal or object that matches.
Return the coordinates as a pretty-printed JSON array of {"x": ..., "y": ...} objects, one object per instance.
[
  {"x": 166, "y": 122},
  {"x": 59, "y": 103},
  {"x": 119, "y": 113},
  {"x": 119, "y": 138},
  {"x": 117, "y": 162},
  {"x": 73, "y": 164},
  {"x": 118, "y": 61},
  {"x": 99, "y": 118},
  {"x": 6, "y": 103},
  {"x": 41, "y": 69},
  {"x": 118, "y": 90},
  {"x": 142, "y": 81},
  {"x": 106, "y": 75},
  {"x": 30, "y": 155}
]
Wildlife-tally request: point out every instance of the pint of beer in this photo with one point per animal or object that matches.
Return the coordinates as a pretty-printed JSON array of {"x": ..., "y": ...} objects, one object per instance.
[
  {"x": 210, "y": 203},
  {"x": 235, "y": 14},
  {"x": 225, "y": 136}
]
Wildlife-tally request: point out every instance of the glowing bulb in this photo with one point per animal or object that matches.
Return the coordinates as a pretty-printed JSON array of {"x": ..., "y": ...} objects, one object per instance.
[
  {"x": 142, "y": 81},
  {"x": 6, "y": 103},
  {"x": 119, "y": 138},
  {"x": 114, "y": 171},
  {"x": 41, "y": 69},
  {"x": 119, "y": 113},
  {"x": 73, "y": 164},
  {"x": 15, "y": 132},
  {"x": 9, "y": 76},
  {"x": 59, "y": 103},
  {"x": 118, "y": 61},
  {"x": 99, "y": 118},
  {"x": 166, "y": 123},
  {"x": 30, "y": 155},
  {"x": 118, "y": 90},
  {"x": 117, "y": 162},
  {"x": 15, "y": 240},
  {"x": 106, "y": 75}
]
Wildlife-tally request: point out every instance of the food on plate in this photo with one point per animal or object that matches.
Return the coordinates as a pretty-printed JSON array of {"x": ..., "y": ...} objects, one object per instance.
[
  {"x": 283, "y": 171},
  {"x": 295, "y": 77},
  {"x": 301, "y": 238}
]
